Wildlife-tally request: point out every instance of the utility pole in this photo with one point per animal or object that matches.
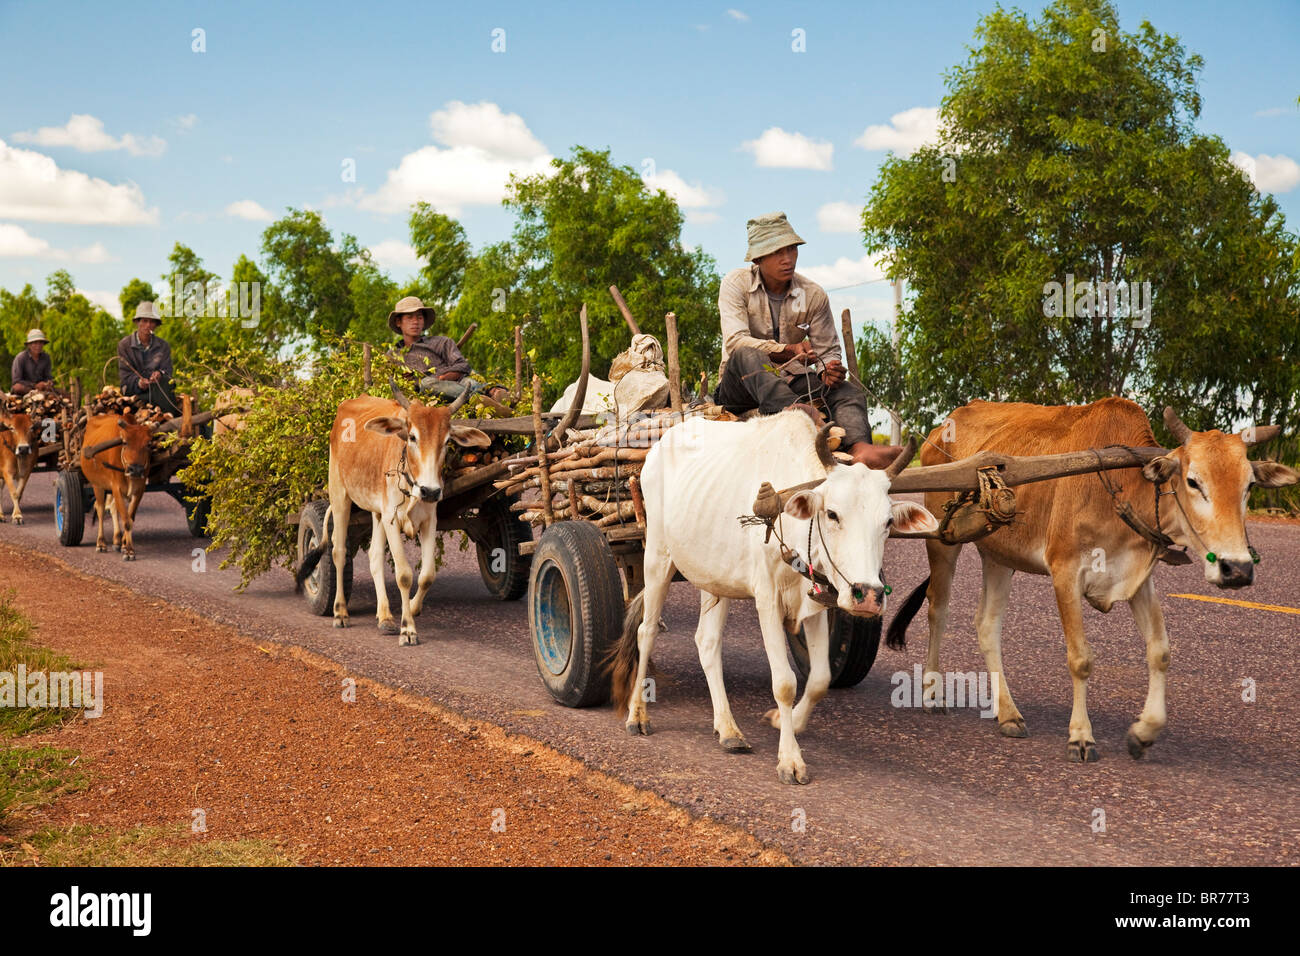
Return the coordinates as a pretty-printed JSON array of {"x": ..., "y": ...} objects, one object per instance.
[{"x": 896, "y": 423}]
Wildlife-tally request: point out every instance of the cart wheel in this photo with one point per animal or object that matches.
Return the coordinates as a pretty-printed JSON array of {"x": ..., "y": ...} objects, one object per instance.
[
  {"x": 504, "y": 569},
  {"x": 70, "y": 507},
  {"x": 854, "y": 642},
  {"x": 575, "y": 611},
  {"x": 321, "y": 585},
  {"x": 196, "y": 515}
]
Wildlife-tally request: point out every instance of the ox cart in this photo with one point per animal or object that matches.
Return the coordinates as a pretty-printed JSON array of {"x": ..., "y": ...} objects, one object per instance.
[
  {"x": 74, "y": 497},
  {"x": 588, "y": 561}
]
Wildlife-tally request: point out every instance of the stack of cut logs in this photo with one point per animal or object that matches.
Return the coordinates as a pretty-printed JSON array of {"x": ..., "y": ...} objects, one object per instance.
[
  {"x": 110, "y": 400},
  {"x": 471, "y": 459},
  {"x": 594, "y": 475},
  {"x": 44, "y": 404}
]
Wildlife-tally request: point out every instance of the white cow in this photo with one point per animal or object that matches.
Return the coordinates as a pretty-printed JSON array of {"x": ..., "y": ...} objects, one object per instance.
[{"x": 697, "y": 481}]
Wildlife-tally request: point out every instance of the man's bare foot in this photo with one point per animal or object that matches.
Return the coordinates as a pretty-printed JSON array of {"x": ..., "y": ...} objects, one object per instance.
[{"x": 874, "y": 456}]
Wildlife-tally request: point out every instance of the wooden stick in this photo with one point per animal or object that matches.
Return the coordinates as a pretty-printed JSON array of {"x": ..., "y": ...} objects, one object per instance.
[
  {"x": 580, "y": 395},
  {"x": 638, "y": 503},
  {"x": 365, "y": 364},
  {"x": 850, "y": 347},
  {"x": 674, "y": 368},
  {"x": 473, "y": 327},
  {"x": 544, "y": 474},
  {"x": 519, "y": 366},
  {"x": 622, "y": 307}
]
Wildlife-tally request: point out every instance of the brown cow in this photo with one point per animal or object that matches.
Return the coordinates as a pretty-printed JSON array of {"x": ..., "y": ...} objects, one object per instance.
[
  {"x": 18, "y": 442},
  {"x": 386, "y": 457},
  {"x": 119, "y": 471},
  {"x": 1069, "y": 529}
]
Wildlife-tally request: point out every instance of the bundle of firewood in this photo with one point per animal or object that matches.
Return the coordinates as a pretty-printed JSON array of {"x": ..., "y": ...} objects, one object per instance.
[
  {"x": 462, "y": 461},
  {"x": 110, "y": 400},
  {"x": 595, "y": 475},
  {"x": 44, "y": 404}
]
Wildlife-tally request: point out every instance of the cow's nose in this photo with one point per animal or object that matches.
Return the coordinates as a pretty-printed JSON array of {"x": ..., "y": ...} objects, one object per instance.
[
  {"x": 868, "y": 600},
  {"x": 134, "y": 471},
  {"x": 430, "y": 494},
  {"x": 1235, "y": 574},
  {"x": 23, "y": 450}
]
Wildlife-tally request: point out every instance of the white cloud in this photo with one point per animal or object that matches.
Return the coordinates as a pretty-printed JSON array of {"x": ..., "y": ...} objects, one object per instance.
[
  {"x": 393, "y": 254},
  {"x": 839, "y": 217},
  {"x": 481, "y": 147},
  {"x": 1270, "y": 174},
  {"x": 738, "y": 15},
  {"x": 687, "y": 196},
  {"x": 17, "y": 243},
  {"x": 187, "y": 122},
  {"x": 86, "y": 133},
  {"x": 108, "y": 301},
  {"x": 33, "y": 187},
  {"x": 1275, "y": 111},
  {"x": 248, "y": 209},
  {"x": 777, "y": 148},
  {"x": 845, "y": 272},
  {"x": 906, "y": 131}
]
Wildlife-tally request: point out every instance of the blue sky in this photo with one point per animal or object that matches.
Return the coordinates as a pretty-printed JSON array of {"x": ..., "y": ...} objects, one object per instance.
[{"x": 174, "y": 144}]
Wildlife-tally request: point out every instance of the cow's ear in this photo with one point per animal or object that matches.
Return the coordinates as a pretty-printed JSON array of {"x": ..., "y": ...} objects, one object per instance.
[
  {"x": 909, "y": 516},
  {"x": 387, "y": 425},
  {"x": 1269, "y": 474},
  {"x": 121, "y": 423},
  {"x": 1159, "y": 470},
  {"x": 469, "y": 437},
  {"x": 803, "y": 505},
  {"x": 4, "y": 426}
]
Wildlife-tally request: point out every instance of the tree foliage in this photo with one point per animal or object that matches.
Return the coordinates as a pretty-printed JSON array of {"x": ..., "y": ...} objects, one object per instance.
[{"x": 1069, "y": 148}]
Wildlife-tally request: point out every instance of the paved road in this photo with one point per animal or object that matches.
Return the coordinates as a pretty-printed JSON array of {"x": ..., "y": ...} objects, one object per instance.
[{"x": 888, "y": 784}]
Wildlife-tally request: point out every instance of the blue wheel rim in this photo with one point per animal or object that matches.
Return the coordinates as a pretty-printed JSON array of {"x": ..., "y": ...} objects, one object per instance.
[
  {"x": 58, "y": 508},
  {"x": 553, "y": 619}
]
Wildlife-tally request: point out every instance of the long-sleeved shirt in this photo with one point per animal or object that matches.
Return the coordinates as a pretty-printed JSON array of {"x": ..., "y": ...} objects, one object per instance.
[
  {"x": 747, "y": 318},
  {"x": 434, "y": 355},
  {"x": 28, "y": 371},
  {"x": 135, "y": 361}
]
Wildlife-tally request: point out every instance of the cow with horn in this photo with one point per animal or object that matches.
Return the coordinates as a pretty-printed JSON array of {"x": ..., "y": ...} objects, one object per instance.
[
  {"x": 386, "y": 457},
  {"x": 19, "y": 438},
  {"x": 816, "y": 546},
  {"x": 115, "y": 462},
  {"x": 1097, "y": 535}
]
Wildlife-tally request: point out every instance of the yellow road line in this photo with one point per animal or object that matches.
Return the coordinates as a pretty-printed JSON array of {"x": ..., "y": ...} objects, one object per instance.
[{"x": 1281, "y": 609}]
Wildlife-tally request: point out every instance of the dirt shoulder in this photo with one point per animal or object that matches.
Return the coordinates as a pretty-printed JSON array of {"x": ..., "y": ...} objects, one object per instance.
[{"x": 261, "y": 740}]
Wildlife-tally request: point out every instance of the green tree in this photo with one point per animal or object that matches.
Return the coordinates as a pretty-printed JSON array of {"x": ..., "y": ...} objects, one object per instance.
[
  {"x": 314, "y": 275},
  {"x": 132, "y": 294},
  {"x": 588, "y": 225},
  {"x": 18, "y": 313},
  {"x": 1069, "y": 148},
  {"x": 441, "y": 243},
  {"x": 82, "y": 335}
]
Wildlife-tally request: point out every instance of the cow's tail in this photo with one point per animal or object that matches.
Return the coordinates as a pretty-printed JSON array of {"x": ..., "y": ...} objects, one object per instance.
[
  {"x": 312, "y": 557},
  {"x": 897, "y": 636},
  {"x": 620, "y": 661}
]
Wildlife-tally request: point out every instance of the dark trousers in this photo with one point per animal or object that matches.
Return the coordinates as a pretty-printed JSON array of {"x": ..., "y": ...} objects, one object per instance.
[{"x": 746, "y": 385}]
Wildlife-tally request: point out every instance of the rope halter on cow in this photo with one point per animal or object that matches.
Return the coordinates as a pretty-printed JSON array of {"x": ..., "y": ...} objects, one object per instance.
[{"x": 769, "y": 506}]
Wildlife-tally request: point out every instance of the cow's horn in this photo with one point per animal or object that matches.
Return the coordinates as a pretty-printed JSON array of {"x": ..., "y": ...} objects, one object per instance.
[
  {"x": 1175, "y": 425},
  {"x": 895, "y": 467},
  {"x": 398, "y": 396},
  {"x": 1262, "y": 433},
  {"x": 461, "y": 399},
  {"x": 824, "y": 448}
]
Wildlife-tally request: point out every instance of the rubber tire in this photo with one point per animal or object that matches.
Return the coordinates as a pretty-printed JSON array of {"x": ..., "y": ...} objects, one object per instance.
[
  {"x": 196, "y": 516},
  {"x": 854, "y": 642},
  {"x": 502, "y": 528},
  {"x": 70, "y": 518},
  {"x": 573, "y": 561},
  {"x": 320, "y": 587}
]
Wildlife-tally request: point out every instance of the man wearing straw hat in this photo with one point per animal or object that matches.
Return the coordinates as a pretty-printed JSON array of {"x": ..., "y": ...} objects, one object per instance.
[
  {"x": 32, "y": 370},
  {"x": 144, "y": 361},
  {"x": 779, "y": 343},
  {"x": 443, "y": 370}
]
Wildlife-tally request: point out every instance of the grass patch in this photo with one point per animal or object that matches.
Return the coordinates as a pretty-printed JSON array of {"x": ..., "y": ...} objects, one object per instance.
[
  {"x": 17, "y": 647},
  {"x": 35, "y": 775},
  {"x": 139, "y": 846}
]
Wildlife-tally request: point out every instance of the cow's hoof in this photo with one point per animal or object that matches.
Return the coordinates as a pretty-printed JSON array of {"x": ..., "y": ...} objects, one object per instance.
[
  {"x": 389, "y": 628},
  {"x": 128, "y": 556},
  {"x": 1013, "y": 728},
  {"x": 408, "y": 639},
  {"x": 936, "y": 710},
  {"x": 18, "y": 519},
  {"x": 1136, "y": 745},
  {"x": 100, "y": 548},
  {"x": 342, "y": 622},
  {"x": 1085, "y": 752},
  {"x": 636, "y": 729},
  {"x": 797, "y": 773},
  {"x": 736, "y": 745}
]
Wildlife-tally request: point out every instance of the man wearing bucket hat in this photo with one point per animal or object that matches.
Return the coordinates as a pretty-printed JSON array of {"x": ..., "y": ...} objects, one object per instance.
[
  {"x": 144, "y": 361},
  {"x": 32, "y": 369},
  {"x": 773, "y": 316},
  {"x": 443, "y": 370}
]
